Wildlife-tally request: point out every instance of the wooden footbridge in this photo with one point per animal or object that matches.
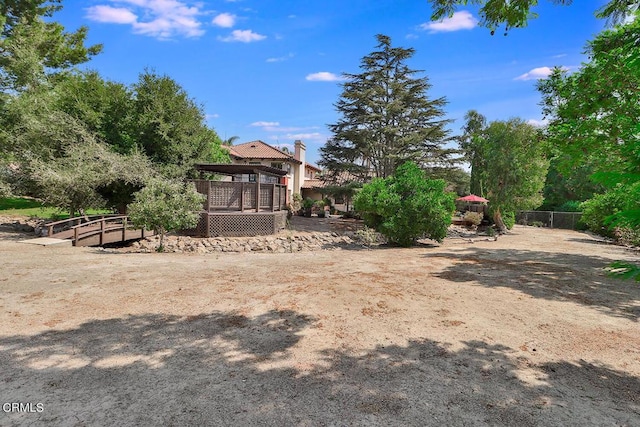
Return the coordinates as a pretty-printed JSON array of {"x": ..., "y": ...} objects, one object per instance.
[{"x": 96, "y": 230}]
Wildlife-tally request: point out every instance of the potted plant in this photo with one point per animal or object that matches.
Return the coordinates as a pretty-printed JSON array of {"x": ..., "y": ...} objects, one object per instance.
[
  {"x": 307, "y": 207},
  {"x": 319, "y": 207}
]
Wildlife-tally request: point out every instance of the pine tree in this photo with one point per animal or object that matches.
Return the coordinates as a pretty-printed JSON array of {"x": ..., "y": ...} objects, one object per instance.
[{"x": 387, "y": 118}]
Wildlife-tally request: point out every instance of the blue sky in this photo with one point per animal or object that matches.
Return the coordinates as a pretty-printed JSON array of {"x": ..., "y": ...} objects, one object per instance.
[{"x": 270, "y": 69}]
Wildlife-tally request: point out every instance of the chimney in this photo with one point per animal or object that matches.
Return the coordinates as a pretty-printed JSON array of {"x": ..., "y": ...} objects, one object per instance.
[
  {"x": 299, "y": 150},
  {"x": 298, "y": 176}
]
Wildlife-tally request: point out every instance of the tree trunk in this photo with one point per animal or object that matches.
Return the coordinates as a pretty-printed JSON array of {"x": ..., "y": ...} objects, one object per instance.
[
  {"x": 161, "y": 247},
  {"x": 497, "y": 219}
]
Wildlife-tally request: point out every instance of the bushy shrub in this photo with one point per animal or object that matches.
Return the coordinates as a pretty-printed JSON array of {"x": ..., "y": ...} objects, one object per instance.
[
  {"x": 597, "y": 209},
  {"x": 615, "y": 213},
  {"x": 166, "y": 206},
  {"x": 367, "y": 236},
  {"x": 407, "y": 206},
  {"x": 509, "y": 219},
  {"x": 569, "y": 206},
  {"x": 473, "y": 218}
]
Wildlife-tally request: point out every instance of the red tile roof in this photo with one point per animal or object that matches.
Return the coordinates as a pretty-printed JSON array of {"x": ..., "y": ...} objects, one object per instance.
[
  {"x": 260, "y": 150},
  {"x": 313, "y": 183},
  {"x": 314, "y": 167}
]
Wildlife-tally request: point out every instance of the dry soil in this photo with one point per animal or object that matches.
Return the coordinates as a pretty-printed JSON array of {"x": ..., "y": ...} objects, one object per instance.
[{"x": 526, "y": 330}]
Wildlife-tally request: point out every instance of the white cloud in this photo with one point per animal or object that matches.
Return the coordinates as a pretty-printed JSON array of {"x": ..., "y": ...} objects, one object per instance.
[
  {"x": 538, "y": 123},
  {"x": 224, "y": 20},
  {"x": 244, "y": 36},
  {"x": 280, "y": 58},
  {"x": 163, "y": 19},
  {"x": 212, "y": 116},
  {"x": 561, "y": 55},
  {"x": 275, "y": 127},
  {"x": 113, "y": 15},
  {"x": 264, "y": 124},
  {"x": 307, "y": 136},
  {"x": 537, "y": 73},
  {"x": 324, "y": 76},
  {"x": 462, "y": 20}
]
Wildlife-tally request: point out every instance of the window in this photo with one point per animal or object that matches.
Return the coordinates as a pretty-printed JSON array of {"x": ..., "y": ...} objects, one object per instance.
[{"x": 277, "y": 165}]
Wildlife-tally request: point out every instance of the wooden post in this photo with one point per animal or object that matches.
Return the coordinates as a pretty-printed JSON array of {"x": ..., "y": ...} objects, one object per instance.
[
  {"x": 273, "y": 198},
  {"x": 124, "y": 229},
  {"x": 101, "y": 232},
  {"x": 242, "y": 197},
  {"x": 258, "y": 193},
  {"x": 75, "y": 237}
]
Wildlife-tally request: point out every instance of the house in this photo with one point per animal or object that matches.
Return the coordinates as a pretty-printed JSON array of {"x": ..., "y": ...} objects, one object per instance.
[
  {"x": 312, "y": 185},
  {"x": 301, "y": 177}
]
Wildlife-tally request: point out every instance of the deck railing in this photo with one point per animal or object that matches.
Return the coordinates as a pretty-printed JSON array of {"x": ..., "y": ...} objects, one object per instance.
[{"x": 242, "y": 196}]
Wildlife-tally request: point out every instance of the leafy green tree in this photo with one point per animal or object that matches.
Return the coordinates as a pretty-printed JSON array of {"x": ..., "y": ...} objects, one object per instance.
[
  {"x": 595, "y": 112},
  {"x": 171, "y": 126},
  {"x": 89, "y": 175},
  {"x": 34, "y": 54},
  {"x": 406, "y": 206},
  {"x": 32, "y": 49},
  {"x": 568, "y": 187},
  {"x": 105, "y": 107},
  {"x": 513, "y": 167},
  {"x": 517, "y": 13},
  {"x": 457, "y": 179},
  {"x": 595, "y": 120},
  {"x": 165, "y": 205},
  {"x": 386, "y": 118}
]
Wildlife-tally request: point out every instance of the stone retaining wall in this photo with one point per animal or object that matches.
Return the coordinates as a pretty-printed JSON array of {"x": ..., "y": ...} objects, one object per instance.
[{"x": 276, "y": 244}]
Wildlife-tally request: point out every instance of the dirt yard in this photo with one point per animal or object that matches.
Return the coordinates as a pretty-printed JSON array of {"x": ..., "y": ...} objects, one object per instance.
[{"x": 522, "y": 331}]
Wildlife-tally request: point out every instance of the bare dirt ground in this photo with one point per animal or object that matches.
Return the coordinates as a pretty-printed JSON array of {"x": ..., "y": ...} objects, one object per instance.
[{"x": 526, "y": 330}]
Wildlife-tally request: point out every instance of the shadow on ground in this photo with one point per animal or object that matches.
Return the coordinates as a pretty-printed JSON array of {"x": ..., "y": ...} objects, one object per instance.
[
  {"x": 554, "y": 276},
  {"x": 228, "y": 369}
]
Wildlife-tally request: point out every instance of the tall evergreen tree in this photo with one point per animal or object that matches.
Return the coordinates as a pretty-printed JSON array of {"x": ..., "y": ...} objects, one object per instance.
[
  {"x": 32, "y": 49},
  {"x": 471, "y": 146},
  {"x": 387, "y": 118}
]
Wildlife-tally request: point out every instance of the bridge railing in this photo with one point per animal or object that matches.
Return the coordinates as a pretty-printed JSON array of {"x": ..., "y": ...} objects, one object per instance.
[
  {"x": 66, "y": 224},
  {"x": 108, "y": 230}
]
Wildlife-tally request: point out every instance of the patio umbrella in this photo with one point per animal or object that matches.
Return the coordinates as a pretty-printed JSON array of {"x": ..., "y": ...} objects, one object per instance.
[{"x": 471, "y": 198}]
